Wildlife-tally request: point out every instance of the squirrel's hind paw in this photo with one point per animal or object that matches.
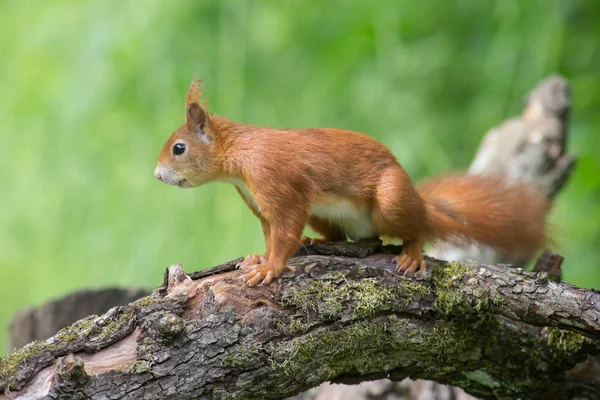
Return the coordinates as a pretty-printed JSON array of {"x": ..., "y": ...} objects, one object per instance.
[{"x": 408, "y": 266}]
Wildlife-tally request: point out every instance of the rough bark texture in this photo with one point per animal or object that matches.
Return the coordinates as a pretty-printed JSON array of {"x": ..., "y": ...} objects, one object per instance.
[{"x": 340, "y": 315}]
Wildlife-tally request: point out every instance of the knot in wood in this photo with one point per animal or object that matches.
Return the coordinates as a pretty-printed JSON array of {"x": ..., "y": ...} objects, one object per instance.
[
  {"x": 71, "y": 372},
  {"x": 541, "y": 278},
  {"x": 177, "y": 273},
  {"x": 167, "y": 326}
]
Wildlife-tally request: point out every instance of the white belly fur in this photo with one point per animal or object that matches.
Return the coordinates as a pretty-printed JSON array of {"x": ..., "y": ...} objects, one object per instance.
[{"x": 355, "y": 220}]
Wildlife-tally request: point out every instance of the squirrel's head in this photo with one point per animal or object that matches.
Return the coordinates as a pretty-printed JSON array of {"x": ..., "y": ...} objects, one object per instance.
[{"x": 188, "y": 158}]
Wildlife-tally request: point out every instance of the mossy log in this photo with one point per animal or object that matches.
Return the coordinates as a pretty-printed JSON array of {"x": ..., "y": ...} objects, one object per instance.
[{"x": 340, "y": 314}]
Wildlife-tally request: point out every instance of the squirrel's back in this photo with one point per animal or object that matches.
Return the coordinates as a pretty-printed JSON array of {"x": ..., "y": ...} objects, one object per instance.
[{"x": 330, "y": 159}]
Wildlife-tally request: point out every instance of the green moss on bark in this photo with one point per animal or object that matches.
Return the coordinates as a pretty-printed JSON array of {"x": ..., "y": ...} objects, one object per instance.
[
  {"x": 9, "y": 365},
  {"x": 369, "y": 346},
  {"x": 565, "y": 343},
  {"x": 483, "y": 378},
  {"x": 242, "y": 356},
  {"x": 327, "y": 300},
  {"x": 455, "y": 302},
  {"x": 321, "y": 297}
]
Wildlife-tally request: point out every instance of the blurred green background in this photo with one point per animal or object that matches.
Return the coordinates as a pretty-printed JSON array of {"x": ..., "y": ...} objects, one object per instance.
[{"x": 91, "y": 89}]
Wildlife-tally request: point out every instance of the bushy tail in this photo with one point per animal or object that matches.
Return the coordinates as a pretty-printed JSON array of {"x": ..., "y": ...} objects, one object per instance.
[{"x": 485, "y": 209}]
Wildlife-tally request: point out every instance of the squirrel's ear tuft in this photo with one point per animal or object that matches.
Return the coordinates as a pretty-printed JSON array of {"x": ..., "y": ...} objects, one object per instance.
[
  {"x": 195, "y": 115},
  {"x": 194, "y": 93}
]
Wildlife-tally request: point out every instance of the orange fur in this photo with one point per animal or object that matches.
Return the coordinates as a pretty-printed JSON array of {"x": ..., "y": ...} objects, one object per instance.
[
  {"x": 488, "y": 210},
  {"x": 342, "y": 183}
]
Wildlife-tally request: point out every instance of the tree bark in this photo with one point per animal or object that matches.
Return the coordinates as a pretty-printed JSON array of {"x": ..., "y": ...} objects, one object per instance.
[{"x": 340, "y": 314}]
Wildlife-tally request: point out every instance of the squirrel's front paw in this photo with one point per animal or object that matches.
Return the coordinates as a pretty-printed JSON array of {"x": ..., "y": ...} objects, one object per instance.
[
  {"x": 252, "y": 259},
  {"x": 260, "y": 273}
]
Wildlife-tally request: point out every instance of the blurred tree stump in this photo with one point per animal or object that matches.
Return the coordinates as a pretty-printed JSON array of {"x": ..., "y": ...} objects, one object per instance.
[{"x": 43, "y": 322}]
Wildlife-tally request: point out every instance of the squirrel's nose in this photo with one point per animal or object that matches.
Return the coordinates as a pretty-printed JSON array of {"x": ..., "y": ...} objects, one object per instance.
[{"x": 157, "y": 174}]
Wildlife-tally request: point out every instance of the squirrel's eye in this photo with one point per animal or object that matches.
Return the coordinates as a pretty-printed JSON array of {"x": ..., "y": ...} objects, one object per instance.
[{"x": 178, "y": 149}]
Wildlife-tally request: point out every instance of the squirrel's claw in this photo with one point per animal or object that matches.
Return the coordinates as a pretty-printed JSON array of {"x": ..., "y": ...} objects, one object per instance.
[
  {"x": 252, "y": 259},
  {"x": 252, "y": 278},
  {"x": 268, "y": 278},
  {"x": 407, "y": 266},
  {"x": 260, "y": 273}
]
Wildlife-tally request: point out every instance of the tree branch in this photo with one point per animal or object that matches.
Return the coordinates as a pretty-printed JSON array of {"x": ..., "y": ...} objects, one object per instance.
[{"x": 340, "y": 315}]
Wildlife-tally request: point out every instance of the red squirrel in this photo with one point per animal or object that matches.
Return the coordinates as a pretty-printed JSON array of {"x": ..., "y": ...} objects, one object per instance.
[{"x": 343, "y": 184}]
